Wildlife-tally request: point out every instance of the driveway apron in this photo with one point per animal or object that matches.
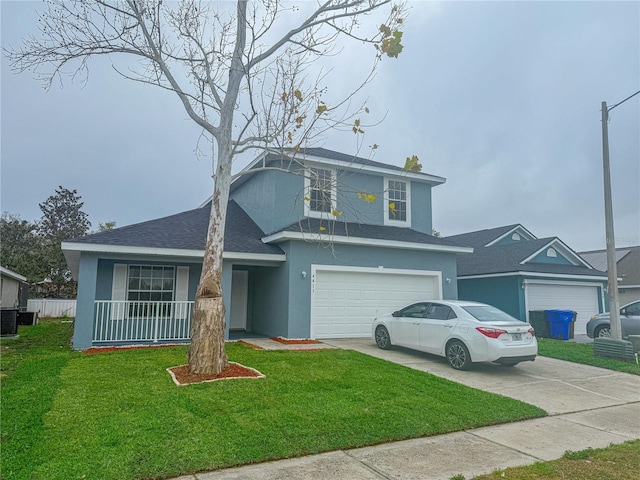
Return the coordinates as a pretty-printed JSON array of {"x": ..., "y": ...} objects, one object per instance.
[{"x": 587, "y": 407}]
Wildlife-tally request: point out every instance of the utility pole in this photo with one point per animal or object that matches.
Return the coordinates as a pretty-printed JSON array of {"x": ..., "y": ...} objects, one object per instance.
[{"x": 612, "y": 266}]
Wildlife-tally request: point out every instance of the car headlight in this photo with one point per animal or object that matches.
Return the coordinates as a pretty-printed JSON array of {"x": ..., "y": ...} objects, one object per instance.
[{"x": 594, "y": 317}]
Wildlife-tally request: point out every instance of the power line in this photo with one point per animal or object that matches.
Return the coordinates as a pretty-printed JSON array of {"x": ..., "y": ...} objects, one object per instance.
[{"x": 620, "y": 103}]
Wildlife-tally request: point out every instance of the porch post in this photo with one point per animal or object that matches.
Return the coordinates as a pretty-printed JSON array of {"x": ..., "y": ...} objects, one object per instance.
[{"x": 85, "y": 304}]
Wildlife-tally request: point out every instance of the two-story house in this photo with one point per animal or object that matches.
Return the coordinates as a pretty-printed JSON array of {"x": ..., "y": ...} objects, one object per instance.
[{"x": 314, "y": 248}]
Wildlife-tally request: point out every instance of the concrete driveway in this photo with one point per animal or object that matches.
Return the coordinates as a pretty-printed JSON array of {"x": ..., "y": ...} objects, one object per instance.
[
  {"x": 587, "y": 406},
  {"x": 554, "y": 385}
]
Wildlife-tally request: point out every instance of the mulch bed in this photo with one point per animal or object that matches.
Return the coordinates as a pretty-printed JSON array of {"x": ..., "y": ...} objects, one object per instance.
[
  {"x": 95, "y": 350},
  {"x": 299, "y": 341},
  {"x": 182, "y": 376}
]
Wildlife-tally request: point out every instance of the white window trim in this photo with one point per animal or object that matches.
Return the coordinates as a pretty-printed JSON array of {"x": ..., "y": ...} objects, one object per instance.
[
  {"x": 388, "y": 221},
  {"x": 307, "y": 193}
]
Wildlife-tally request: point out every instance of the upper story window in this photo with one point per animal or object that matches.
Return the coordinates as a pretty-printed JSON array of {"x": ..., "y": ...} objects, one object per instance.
[
  {"x": 551, "y": 253},
  {"x": 320, "y": 192},
  {"x": 397, "y": 205},
  {"x": 516, "y": 237}
]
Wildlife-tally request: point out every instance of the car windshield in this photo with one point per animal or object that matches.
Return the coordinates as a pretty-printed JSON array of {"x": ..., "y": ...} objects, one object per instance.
[{"x": 486, "y": 313}]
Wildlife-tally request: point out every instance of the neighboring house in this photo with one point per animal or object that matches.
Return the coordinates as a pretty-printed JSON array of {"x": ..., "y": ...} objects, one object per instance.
[
  {"x": 628, "y": 266},
  {"x": 305, "y": 256},
  {"x": 13, "y": 288},
  {"x": 518, "y": 273}
]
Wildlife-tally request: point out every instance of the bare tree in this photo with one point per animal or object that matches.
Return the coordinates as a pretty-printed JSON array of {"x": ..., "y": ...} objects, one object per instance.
[{"x": 241, "y": 74}]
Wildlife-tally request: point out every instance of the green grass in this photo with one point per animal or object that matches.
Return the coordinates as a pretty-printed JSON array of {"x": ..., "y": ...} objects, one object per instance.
[
  {"x": 583, "y": 353},
  {"x": 118, "y": 415},
  {"x": 617, "y": 462}
]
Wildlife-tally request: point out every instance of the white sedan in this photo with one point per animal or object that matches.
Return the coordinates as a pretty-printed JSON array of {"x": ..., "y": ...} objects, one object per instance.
[{"x": 463, "y": 332}]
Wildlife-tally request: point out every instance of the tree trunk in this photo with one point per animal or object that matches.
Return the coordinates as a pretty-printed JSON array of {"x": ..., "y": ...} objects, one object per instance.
[{"x": 207, "y": 353}]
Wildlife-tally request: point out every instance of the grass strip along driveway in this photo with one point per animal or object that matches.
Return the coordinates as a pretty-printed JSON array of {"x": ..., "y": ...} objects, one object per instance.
[
  {"x": 583, "y": 353},
  {"x": 118, "y": 415}
]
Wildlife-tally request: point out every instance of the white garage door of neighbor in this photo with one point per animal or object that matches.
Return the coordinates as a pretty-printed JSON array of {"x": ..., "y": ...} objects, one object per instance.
[
  {"x": 581, "y": 299},
  {"x": 344, "y": 303}
]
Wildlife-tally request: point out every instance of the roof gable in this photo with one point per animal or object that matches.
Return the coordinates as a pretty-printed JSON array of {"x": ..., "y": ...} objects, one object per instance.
[
  {"x": 491, "y": 236},
  {"x": 627, "y": 260},
  {"x": 523, "y": 257}
]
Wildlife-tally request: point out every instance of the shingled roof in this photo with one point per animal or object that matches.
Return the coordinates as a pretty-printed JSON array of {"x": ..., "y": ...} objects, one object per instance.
[
  {"x": 481, "y": 237},
  {"x": 373, "y": 232},
  {"x": 188, "y": 231},
  {"x": 507, "y": 259}
]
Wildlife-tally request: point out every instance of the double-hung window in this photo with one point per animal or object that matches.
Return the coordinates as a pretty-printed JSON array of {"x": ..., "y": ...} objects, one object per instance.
[
  {"x": 397, "y": 205},
  {"x": 320, "y": 192},
  {"x": 150, "y": 283}
]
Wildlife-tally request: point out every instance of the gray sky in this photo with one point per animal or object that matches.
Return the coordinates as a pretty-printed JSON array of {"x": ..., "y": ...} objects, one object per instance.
[{"x": 501, "y": 98}]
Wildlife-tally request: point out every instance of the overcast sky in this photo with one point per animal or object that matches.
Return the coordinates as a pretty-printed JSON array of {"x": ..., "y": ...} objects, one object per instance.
[{"x": 500, "y": 98}]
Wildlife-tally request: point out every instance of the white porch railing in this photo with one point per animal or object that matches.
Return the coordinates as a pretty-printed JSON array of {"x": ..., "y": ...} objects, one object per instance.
[{"x": 131, "y": 321}]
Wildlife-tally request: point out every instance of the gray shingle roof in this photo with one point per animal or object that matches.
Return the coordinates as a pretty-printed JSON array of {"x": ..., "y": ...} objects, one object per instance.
[
  {"x": 273, "y": 159},
  {"x": 507, "y": 258},
  {"x": 187, "y": 230},
  {"x": 374, "y": 232},
  {"x": 343, "y": 157},
  {"x": 627, "y": 260},
  {"x": 481, "y": 237}
]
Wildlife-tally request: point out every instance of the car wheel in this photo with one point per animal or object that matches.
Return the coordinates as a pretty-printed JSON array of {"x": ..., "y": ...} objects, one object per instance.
[
  {"x": 458, "y": 355},
  {"x": 382, "y": 338},
  {"x": 603, "y": 332}
]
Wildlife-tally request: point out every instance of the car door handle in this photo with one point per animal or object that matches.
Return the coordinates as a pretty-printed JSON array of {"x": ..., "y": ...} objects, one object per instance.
[{"x": 448, "y": 325}]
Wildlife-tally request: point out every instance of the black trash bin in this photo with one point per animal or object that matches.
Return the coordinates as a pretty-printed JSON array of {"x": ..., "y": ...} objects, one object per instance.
[
  {"x": 27, "y": 318},
  {"x": 9, "y": 321},
  {"x": 538, "y": 321}
]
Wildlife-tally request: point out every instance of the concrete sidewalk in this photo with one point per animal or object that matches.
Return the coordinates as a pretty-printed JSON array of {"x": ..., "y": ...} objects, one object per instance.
[{"x": 588, "y": 407}]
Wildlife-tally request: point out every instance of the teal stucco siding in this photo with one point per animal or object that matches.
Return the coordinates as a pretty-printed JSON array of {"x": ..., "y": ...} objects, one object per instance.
[
  {"x": 506, "y": 293},
  {"x": 302, "y": 255}
]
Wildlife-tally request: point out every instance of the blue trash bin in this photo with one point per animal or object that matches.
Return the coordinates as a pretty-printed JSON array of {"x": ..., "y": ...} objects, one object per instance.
[{"x": 559, "y": 323}]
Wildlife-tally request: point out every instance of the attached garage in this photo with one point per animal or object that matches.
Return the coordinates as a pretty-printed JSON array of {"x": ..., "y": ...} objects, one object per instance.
[
  {"x": 345, "y": 300},
  {"x": 582, "y": 299}
]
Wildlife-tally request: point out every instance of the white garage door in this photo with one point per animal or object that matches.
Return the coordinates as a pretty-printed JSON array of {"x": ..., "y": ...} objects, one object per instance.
[
  {"x": 579, "y": 298},
  {"x": 345, "y": 302}
]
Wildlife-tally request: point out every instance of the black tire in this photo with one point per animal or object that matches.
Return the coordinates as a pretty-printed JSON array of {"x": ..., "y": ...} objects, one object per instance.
[
  {"x": 603, "y": 331},
  {"x": 458, "y": 355},
  {"x": 383, "y": 340}
]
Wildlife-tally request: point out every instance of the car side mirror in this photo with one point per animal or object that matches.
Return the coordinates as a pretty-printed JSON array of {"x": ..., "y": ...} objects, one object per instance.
[
  {"x": 395, "y": 314},
  {"x": 623, "y": 311}
]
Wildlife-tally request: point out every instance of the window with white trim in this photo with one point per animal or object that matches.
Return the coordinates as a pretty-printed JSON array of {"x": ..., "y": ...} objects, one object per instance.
[
  {"x": 551, "y": 253},
  {"x": 150, "y": 283},
  {"x": 320, "y": 192},
  {"x": 397, "y": 205}
]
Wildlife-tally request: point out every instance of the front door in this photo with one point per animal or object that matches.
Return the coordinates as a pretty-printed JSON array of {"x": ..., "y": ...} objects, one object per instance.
[{"x": 239, "y": 296}]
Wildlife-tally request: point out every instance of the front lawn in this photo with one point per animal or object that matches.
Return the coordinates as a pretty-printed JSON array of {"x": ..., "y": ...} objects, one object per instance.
[
  {"x": 617, "y": 462},
  {"x": 118, "y": 415},
  {"x": 583, "y": 353}
]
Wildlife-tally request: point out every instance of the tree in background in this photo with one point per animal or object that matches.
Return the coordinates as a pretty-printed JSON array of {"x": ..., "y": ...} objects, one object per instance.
[
  {"x": 21, "y": 248},
  {"x": 242, "y": 73},
  {"x": 103, "y": 227},
  {"x": 62, "y": 219}
]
